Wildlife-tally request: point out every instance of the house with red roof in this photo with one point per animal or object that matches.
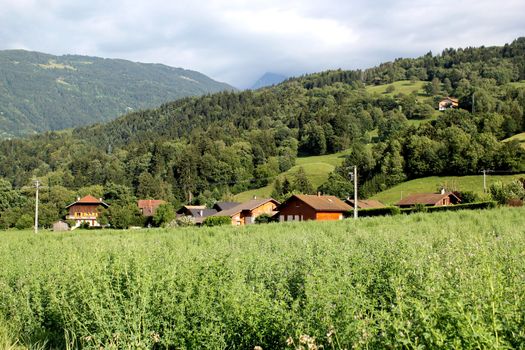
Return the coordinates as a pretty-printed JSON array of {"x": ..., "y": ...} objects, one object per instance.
[
  {"x": 86, "y": 210},
  {"x": 148, "y": 207},
  {"x": 429, "y": 200}
]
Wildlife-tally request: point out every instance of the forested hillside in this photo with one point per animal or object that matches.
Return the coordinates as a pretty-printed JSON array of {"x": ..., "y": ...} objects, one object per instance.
[
  {"x": 207, "y": 148},
  {"x": 40, "y": 92}
]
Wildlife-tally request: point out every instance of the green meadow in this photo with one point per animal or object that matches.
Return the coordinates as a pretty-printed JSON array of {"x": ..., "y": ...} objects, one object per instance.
[{"x": 425, "y": 281}]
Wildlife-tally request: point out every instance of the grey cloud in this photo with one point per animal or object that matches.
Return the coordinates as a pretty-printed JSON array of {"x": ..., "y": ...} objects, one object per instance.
[{"x": 237, "y": 41}]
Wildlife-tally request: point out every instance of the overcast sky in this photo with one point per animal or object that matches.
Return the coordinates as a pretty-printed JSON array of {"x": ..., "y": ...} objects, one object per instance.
[{"x": 237, "y": 41}]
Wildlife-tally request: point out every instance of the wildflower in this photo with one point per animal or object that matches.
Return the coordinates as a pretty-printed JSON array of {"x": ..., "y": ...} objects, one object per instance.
[
  {"x": 155, "y": 337},
  {"x": 289, "y": 341},
  {"x": 303, "y": 339},
  {"x": 257, "y": 348}
]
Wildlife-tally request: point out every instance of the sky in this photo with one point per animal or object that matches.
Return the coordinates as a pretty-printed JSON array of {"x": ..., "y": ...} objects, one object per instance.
[{"x": 237, "y": 41}]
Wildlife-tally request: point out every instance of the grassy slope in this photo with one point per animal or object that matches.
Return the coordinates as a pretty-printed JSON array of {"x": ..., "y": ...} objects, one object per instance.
[
  {"x": 273, "y": 281},
  {"x": 432, "y": 184},
  {"x": 316, "y": 168},
  {"x": 403, "y": 86},
  {"x": 518, "y": 137}
]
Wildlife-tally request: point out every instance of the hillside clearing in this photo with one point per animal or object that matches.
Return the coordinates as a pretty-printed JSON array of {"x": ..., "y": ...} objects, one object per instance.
[
  {"x": 317, "y": 169},
  {"x": 518, "y": 137}
]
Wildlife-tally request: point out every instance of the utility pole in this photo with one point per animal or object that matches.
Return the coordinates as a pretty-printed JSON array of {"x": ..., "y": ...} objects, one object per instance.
[
  {"x": 355, "y": 192},
  {"x": 37, "y": 185},
  {"x": 485, "y": 171}
]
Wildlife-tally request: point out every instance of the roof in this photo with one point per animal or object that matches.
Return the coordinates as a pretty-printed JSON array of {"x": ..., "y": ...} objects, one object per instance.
[
  {"x": 366, "y": 203},
  {"x": 149, "y": 206},
  {"x": 424, "y": 198},
  {"x": 225, "y": 205},
  {"x": 89, "y": 200},
  {"x": 250, "y": 205},
  {"x": 143, "y": 203},
  {"x": 450, "y": 99},
  {"x": 322, "y": 203}
]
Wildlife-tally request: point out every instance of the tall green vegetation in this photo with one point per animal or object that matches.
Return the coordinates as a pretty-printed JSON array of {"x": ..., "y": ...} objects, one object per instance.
[
  {"x": 433, "y": 281},
  {"x": 208, "y": 148}
]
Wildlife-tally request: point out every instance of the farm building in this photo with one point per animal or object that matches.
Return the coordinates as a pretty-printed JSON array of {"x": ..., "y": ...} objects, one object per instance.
[
  {"x": 447, "y": 103},
  {"x": 246, "y": 213},
  {"x": 302, "y": 207},
  {"x": 199, "y": 212},
  {"x": 86, "y": 210},
  {"x": 148, "y": 207},
  {"x": 429, "y": 199},
  {"x": 60, "y": 226},
  {"x": 365, "y": 203}
]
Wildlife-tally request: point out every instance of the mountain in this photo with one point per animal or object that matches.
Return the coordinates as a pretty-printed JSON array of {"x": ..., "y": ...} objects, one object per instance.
[
  {"x": 268, "y": 79},
  {"x": 40, "y": 92},
  {"x": 211, "y": 147}
]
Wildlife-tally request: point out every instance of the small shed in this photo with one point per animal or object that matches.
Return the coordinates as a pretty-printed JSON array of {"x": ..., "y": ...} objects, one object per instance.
[
  {"x": 60, "y": 226},
  {"x": 365, "y": 203}
]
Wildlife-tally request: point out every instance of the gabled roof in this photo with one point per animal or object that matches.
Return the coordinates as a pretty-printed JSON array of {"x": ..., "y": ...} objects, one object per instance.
[
  {"x": 321, "y": 203},
  {"x": 425, "y": 198},
  {"x": 225, "y": 205},
  {"x": 149, "y": 206},
  {"x": 250, "y": 205},
  {"x": 143, "y": 203},
  {"x": 89, "y": 200},
  {"x": 366, "y": 203}
]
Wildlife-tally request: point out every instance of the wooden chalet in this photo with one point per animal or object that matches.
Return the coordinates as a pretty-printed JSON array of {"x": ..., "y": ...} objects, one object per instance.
[
  {"x": 199, "y": 212},
  {"x": 86, "y": 210},
  {"x": 365, "y": 203},
  {"x": 148, "y": 207},
  {"x": 246, "y": 213},
  {"x": 301, "y": 207},
  {"x": 429, "y": 200},
  {"x": 448, "y": 103}
]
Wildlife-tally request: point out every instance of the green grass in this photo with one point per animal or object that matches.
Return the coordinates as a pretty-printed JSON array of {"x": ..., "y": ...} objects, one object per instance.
[
  {"x": 403, "y": 86},
  {"x": 432, "y": 184},
  {"x": 518, "y": 137},
  {"x": 317, "y": 169},
  {"x": 518, "y": 84},
  {"x": 430, "y": 281}
]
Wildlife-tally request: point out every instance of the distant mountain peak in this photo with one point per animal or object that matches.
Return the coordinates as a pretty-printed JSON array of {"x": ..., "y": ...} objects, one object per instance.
[{"x": 269, "y": 79}]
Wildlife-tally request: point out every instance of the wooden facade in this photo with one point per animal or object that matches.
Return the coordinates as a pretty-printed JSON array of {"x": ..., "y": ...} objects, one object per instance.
[
  {"x": 86, "y": 210},
  {"x": 246, "y": 213},
  {"x": 308, "y": 207}
]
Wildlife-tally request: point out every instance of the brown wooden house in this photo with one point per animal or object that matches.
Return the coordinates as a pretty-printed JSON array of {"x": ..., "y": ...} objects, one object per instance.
[
  {"x": 448, "y": 103},
  {"x": 86, "y": 210},
  {"x": 148, "y": 207},
  {"x": 429, "y": 199},
  {"x": 365, "y": 204},
  {"x": 301, "y": 207},
  {"x": 246, "y": 213}
]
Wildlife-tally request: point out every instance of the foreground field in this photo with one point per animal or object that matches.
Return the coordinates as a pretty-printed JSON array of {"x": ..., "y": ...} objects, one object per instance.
[
  {"x": 473, "y": 183},
  {"x": 443, "y": 280}
]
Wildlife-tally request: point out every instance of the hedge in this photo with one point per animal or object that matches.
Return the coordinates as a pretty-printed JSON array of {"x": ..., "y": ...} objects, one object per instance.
[
  {"x": 395, "y": 210},
  {"x": 217, "y": 221}
]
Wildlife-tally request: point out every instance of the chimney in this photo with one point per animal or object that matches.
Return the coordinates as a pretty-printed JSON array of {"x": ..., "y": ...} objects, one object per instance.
[
  {"x": 100, "y": 199},
  {"x": 254, "y": 197},
  {"x": 201, "y": 212},
  {"x": 78, "y": 198},
  {"x": 318, "y": 194},
  {"x": 442, "y": 190}
]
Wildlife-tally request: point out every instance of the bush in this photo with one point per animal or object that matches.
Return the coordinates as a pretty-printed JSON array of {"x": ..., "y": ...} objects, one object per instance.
[
  {"x": 504, "y": 193},
  {"x": 263, "y": 219},
  {"x": 217, "y": 221},
  {"x": 377, "y": 212},
  {"x": 24, "y": 222},
  {"x": 164, "y": 214},
  {"x": 471, "y": 206}
]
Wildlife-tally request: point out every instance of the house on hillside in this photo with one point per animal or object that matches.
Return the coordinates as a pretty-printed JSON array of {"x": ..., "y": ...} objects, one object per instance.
[
  {"x": 365, "y": 203},
  {"x": 86, "y": 210},
  {"x": 246, "y": 213},
  {"x": 301, "y": 207},
  {"x": 148, "y": 207},
  {"x": 448, "y": 103},
  {"x": 429, "y": 200}
]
